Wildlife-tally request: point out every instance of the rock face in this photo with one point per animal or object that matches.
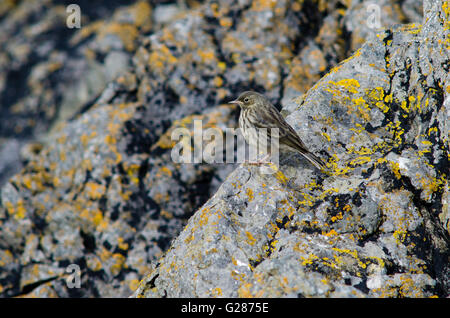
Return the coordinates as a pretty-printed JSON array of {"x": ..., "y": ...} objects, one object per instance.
[
  {"x": 49, "y": 72},
  {"x": 100, "y": 190},
  {"x": 372, "y": 228}
]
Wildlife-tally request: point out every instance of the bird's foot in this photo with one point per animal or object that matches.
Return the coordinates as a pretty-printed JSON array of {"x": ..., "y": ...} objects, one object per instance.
[{"x": 259, "y": 162}]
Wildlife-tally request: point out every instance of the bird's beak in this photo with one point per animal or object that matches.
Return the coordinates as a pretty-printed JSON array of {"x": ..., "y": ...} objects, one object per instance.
[{"x": 236, "y": 102}]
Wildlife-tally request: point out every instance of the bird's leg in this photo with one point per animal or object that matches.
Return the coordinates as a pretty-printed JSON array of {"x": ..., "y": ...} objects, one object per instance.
[
  {"x": 264, "y": 159},
  {"x": 251, "y": 163},
  {"x": 261, "y": 161}
]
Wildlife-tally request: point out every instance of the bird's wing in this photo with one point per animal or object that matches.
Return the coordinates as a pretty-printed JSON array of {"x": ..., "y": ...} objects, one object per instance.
[
  {"x": 273, "y": 119},
  {"x": 287, "y": 135}
]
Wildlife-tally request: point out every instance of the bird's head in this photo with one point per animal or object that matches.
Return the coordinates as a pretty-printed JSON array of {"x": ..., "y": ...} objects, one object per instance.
[{"x": 249, "y": 99}]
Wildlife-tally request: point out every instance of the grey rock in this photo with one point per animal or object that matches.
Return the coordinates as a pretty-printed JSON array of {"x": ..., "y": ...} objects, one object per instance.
[
  {"x": 10, "y": 161},
  {"x": 357, "y": 232},
  {"x": 100, "y": 189},
  {"x": 165, "y": 13}
]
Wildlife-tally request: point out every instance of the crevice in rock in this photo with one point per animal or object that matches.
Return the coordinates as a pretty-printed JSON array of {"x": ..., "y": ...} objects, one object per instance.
[
  {"x": 283, "y": 76},
  {"x": 436, "y": 234},
  {"x": 30, "y": 287}
]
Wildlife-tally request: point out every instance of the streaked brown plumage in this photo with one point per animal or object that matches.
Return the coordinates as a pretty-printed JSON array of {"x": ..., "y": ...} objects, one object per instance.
[{"x": 258, "y": 113}]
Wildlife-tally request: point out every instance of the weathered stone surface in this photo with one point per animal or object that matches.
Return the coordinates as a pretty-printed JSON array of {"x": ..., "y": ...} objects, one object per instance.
[
  {"x": 49, "y": 72},
  {"x": 371, "y": 228},
  {"x": 101, "y": 191}
]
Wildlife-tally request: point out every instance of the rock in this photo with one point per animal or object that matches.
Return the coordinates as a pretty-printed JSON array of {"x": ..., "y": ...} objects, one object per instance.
[
  {"x": 49, "y": 72},
  {"x": 100, "y": 189},
  {"x": 371, "y": 228},
  {"x": 165, "y": 13},
  {"x": 366, "y": 18},
  {"x": 10, "y": 154}
]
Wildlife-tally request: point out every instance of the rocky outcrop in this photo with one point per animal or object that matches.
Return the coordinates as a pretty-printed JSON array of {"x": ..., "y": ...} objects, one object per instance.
[
  {"x": 49, "y": 72},
  {"x": 100, "y": 190},
  {"x": 375, "y": 226}
]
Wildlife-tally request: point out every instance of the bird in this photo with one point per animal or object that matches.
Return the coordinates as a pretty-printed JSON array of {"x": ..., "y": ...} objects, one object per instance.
[{"x": 259, "y": 115}]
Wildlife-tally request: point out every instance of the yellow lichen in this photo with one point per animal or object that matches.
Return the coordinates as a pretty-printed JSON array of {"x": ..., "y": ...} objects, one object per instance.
[
  {"x": 250, "y": 239},
  {"x": 94, "y": 190},
  {"x": 250, "y": 194}
]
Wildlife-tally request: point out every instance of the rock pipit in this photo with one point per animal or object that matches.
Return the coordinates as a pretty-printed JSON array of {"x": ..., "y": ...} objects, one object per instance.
[{"x": 259, "y": 118}]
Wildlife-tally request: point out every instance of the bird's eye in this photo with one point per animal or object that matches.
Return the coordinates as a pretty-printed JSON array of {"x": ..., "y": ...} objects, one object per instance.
[{"x": 246, "y": 100}]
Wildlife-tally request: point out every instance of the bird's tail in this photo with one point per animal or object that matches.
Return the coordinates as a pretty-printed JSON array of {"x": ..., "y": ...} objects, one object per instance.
[{"x": 316, "y": 161}]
